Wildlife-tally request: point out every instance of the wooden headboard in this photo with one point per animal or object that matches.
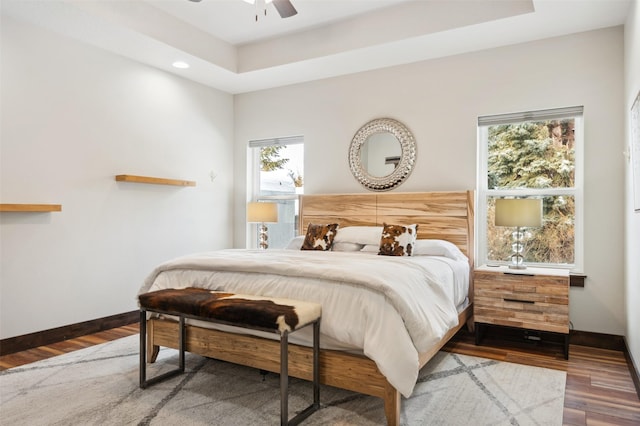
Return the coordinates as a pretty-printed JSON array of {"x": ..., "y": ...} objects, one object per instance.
[{"x": 440, "y": 215}]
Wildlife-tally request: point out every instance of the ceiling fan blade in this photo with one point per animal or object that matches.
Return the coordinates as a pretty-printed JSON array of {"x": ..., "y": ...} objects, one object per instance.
[
  {"x": 196, "y": 1},
  {"x": 285, "y": 8}
]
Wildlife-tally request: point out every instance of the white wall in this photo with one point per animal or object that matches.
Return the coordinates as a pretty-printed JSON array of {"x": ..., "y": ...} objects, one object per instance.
[
  {"x": 632, "y": 270},
  {"x": 440, "y": 100},
  {"x": 72, "y": 118}
]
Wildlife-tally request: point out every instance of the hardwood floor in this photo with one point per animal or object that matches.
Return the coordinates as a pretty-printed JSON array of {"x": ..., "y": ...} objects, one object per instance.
[
  {"x": 44, "y": 352},
  {"x": 599, "y": 389}
]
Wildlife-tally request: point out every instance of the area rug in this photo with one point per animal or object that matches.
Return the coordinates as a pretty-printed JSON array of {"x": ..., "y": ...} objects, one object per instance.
[{"x": 99, "y": 386}]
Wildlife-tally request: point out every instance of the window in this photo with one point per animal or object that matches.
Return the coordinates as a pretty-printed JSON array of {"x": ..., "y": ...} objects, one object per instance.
[
  {"x": 278, "y": 168},
  {"x": 532, "y": 154}
]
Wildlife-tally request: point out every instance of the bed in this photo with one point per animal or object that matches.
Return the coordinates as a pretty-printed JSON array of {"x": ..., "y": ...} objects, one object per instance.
[{"x": 348, "y": 360}]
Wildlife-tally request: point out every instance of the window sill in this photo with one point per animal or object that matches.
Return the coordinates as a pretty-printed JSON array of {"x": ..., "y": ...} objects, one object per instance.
[{"x": 577, "y": 280}]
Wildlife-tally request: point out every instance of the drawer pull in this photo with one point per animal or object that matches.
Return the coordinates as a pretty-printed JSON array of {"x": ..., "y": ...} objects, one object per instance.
[{"x": 518, "y": 301}]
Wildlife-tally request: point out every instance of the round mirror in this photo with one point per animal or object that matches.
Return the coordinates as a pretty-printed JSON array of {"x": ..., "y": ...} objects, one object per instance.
[{"x": 382, "y": 154}]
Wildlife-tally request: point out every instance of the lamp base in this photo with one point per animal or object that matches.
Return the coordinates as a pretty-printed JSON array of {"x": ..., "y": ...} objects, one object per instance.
[
  {"x": 517, "y": 267},
  {"x": 263, "y": 237},
  {"x": 517, "y": 259}
]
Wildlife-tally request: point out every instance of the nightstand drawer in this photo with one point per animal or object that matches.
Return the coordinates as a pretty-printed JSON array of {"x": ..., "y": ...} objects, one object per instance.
[
  {"x": 535, "y": 316},
  {"x": 552, "y": 289}
]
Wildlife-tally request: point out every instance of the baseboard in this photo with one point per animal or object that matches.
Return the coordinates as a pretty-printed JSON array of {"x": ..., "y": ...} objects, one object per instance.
[
  {"x": 59, "y": 334},
  {"x": 632, "y": 368},
  {"x": 597, "y": 340}
]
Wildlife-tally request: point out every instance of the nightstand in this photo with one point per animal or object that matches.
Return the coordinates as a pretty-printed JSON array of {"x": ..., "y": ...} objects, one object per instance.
[{"x": 529, "y": 299}]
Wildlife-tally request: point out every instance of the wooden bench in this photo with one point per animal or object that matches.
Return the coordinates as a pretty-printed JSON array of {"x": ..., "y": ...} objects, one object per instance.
[{"x": 282, "y": 316}]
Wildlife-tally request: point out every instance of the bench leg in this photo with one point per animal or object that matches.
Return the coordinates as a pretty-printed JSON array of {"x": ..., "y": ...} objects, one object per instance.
[
  {"x": 284, "y": 379},
  {"x": 143, "y": 353},
  {"x": 316, "y": 365}
]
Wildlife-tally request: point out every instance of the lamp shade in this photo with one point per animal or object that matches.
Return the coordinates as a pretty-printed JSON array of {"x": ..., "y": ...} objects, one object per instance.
[
  {"x": 262, "y": 212},
  {"x": 519, "y": 212}
]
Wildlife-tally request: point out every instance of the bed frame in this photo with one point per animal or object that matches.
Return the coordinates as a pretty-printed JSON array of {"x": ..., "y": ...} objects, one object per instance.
[{"x": 440, "y": 215}]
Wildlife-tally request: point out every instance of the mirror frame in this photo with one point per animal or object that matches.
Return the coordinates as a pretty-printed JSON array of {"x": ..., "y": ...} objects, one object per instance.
[{"x": 407, "y": 155}]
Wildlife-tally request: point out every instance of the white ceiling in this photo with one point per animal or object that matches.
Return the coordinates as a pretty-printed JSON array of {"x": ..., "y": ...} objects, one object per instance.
[
  {"x": 235, "y": 21},
  {"x": 231, "y": 51}
]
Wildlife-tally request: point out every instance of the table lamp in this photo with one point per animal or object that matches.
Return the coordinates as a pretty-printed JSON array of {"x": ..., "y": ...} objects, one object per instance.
[
  {"x": 519, "y": 213},
  {"x": 262, "y": 213}
]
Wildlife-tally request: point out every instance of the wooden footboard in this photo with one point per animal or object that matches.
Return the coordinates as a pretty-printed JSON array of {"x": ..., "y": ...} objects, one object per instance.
[{"x": 340, "y": 369}]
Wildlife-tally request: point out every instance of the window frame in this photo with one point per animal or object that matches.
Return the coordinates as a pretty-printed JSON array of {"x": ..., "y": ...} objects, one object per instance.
[{"x": 483, "y": 192}]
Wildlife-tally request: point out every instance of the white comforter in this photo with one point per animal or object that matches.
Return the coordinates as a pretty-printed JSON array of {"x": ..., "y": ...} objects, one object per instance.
[{"x": 390, "y": 308}]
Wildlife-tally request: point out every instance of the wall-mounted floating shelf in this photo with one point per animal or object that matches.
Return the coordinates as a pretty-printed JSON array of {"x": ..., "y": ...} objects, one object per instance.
[
  {"x": 154, "y": 180},
  {"x": 36, "y": 208}
]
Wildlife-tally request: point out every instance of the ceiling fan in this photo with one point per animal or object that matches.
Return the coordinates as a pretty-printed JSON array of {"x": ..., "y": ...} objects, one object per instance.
[{"x": 284, "y": 7}]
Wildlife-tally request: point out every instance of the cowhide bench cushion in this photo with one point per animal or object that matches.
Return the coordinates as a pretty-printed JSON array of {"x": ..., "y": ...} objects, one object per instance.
[
  {"x": 282, "y": 316},
  {"x": 259, "y": 312}
]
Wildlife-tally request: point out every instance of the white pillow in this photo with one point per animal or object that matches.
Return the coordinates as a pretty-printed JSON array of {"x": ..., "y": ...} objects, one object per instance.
[
  {"x": 360, "y": 235},
  {"x": 438, "y": 248},
  {"x": 344, "y": 246},
  {"x": 371, "y": 248},
  {"x": 295, "y": 243}
]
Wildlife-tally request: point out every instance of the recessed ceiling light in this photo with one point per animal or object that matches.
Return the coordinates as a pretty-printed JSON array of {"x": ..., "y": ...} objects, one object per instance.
[
  {"x": 180, "y": 64},
  {"x": 254, "y": 1}
]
